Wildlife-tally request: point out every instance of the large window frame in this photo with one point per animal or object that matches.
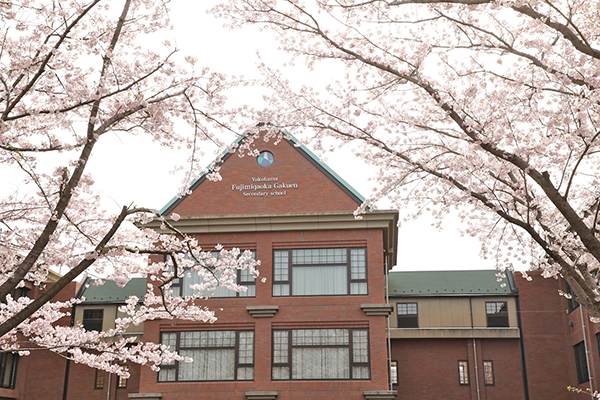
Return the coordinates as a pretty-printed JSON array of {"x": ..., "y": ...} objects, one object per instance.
[
  {"x": 408, "y": 315},
  {"x": 321, "y": 352},
  {"x": 497, "y": 314},
  {"x": 243, "y": 278},
  {"x": 209, "y": 344},
  {"x": 8, "y": 370},
  {"x": 340, "y": 271}
]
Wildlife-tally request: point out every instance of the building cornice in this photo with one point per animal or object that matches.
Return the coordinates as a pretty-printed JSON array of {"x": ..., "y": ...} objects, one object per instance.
[{"x": 387, "y": 220}]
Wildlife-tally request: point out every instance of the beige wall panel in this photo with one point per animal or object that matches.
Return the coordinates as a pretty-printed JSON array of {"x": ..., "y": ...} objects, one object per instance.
[
  {"x": 455, "y": 312},
  {"x": 132, "y": 328},
  {"x": 461, "y": 313}
]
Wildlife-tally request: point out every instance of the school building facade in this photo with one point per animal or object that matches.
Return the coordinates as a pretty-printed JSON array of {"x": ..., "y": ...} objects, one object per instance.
[{"x": 331, "y": 320}]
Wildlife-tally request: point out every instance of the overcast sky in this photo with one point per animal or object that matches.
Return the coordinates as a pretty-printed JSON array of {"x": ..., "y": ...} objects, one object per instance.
[
  {"x": 420, "y": 245},
  {"x": 132, "y": 170}
]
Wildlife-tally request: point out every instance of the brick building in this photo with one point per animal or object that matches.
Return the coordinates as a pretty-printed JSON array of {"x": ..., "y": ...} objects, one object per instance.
[
  {"x": 461, "y": 335},
  {"x": 319, "y": 327}
]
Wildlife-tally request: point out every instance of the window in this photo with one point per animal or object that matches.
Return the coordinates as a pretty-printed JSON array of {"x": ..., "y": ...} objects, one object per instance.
[
  {"x": 318, "y": 272},
  {"x": 218, "y": 356},
  {"x": 488, "y": 373},
  {"x": 19, "y": 292},
  {"x": 581, "y": 362},
  {"x": 407, "y": 315},
  {"x": 122, "y": 381},
  {"x": 8, "y": 370},
  {"x": 394, "y": 372},
  {"x": 571, "y": 302},
  {"x": 92, "y": 320},
  {"x": 321, "y": 354},
  {"x": 497, "y": 314},
  {"x": 181, "y": 286},
  {"x": 463, "y": 372},
  {"x": 99, "y": 382}
]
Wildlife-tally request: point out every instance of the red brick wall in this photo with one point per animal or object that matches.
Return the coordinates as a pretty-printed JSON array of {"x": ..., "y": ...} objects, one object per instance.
[
  {"x": 82, "y": 380},
  {"x": 428, "y": 369},
  {"x": 549, "y": 339},
  {"x": 41, "y": 374},
  {"x": 294, "y": 312},
  {"x": 315, "y": 192}
]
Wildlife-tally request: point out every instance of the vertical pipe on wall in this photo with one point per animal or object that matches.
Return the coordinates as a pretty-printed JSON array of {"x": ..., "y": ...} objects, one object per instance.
[
  {"x": 387, "y": 322},
  {"x": 108, "y": 387},
  {"x": 587, "y": 358},
  {"x": 476, "y": 369},
  {"x": 521, "y": 343}
]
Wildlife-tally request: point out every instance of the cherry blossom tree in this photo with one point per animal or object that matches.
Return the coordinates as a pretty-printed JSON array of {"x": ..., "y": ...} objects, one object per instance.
[
  {"x": 72, "y": 73},
  {"x": 488, "y": 108}
]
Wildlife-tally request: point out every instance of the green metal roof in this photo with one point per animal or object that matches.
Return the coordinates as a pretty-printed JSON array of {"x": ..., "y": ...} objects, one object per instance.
[
  {"x": 301, "y": 148},
  {"x": 109, "y": 292},
  {"x": 447, "y": 283}
]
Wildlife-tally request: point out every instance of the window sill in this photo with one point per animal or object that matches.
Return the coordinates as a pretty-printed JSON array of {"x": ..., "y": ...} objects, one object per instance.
[
  {"x": 145, "y": 396},
  {"x": 261, "y": 395},
  {"x": 380, "y": 394}
]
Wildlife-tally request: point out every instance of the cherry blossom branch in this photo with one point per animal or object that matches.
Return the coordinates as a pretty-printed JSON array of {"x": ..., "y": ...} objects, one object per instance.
[
  {"x": 28, "y": 87},
  {"x": 19, "y": 273},
  {"x": 49, "y": 294}
]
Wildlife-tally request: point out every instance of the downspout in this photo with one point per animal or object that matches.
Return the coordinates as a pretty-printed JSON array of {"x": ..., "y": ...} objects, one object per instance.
[
  {"x": 515, "y": 290},
  {"x": 108, "y": 387},
  {"x": 476, "y": 369},
  {"x": 68, "y": 366},
  {"x": 587, "y": 358},
  {"x": 387, "y": 321},
  {"x": 522, "y": 347}
]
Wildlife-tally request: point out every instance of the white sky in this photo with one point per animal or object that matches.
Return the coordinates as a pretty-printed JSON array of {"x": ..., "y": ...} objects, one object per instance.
[
  {"x": 132, "y": 170},
  {"x": 420, "y": 245}
]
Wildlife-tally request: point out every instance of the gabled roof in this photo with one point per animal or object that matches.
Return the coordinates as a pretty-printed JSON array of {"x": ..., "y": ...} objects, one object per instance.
[
  {"x": 448, "y": 283},
  {"x": 109, "y": 292},
  {"x": 303, "y": 150}
]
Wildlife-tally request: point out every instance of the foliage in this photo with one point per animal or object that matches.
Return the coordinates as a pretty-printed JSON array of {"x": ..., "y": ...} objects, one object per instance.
[
  {"x": 72, "y": 73},
  {"x": 489, "y": 107}
]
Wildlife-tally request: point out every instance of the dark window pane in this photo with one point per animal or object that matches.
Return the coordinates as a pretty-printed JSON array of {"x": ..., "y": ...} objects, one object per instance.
[
  {"x": 407, "y": 315},
  {"x": 572, "y": 302},
  {"x": 497, "y": 314},
  {"x": 8, "y": 370},
  {"x": 581, "y": 362},
  {"x": 92, "y": 320}
]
